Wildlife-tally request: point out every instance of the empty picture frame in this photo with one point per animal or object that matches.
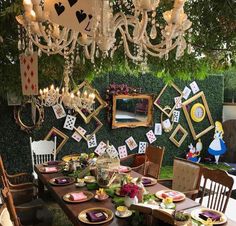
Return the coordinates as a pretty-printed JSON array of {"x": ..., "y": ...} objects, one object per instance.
[
  {"x": 156, "y": 102},
  {"x": 173, "y": 138},
  {"x": 61, "y": 137},
  {"x": 189, "y": 120}
]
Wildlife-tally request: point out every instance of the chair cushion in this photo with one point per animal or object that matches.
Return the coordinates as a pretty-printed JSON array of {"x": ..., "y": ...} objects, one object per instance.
[
  {"x": 5, "y": 217},
  {"x": 185, "y": 175},
  {"x": 139, "y": 159}
]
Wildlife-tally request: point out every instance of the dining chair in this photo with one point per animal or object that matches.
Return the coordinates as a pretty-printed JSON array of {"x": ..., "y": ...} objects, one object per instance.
[
  {"x": 42, "y": 151},
  {"x": 186, "y": 177},
  {"x": 27, "y": 214},
  {"x": 217, "y": 195},
  {"x": 162, "y": 217},
  {"x": 5, "y": 219},
  {"x": 146, "y": 211}
]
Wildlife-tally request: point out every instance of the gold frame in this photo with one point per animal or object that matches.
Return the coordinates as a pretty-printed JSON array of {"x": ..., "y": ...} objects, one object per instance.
[
  {"x": 100, "y": 124},
  {"x": 159, "y": 96},
  {"x": 208, "y": 113},
  {"x": 177, "y": 129},
  {"x": 147, "y": 123},
  {"x": 102, "y": 105},
  {"x": 58, "y": 133}
]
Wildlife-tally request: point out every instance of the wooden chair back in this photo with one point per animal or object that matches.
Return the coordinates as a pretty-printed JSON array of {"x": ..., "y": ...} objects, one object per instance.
[
  {"x": 2, "y": 171},
  {"x": 146, "y": 211},
  {"x": 220, "y": 188},
  {"x": 8, "y": 199},
  {"x": 42, "y": 151},
  {"x": 5, "y": 219},
  {"x": 153, "y": 161},
  {"x": 163, "y": 216},
  {"x": 186, "y": 175}
]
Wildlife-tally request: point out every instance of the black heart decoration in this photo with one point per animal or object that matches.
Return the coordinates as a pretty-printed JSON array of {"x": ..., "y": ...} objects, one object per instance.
[
  {"x": 81, "y": 15},
  {"x": 72, "y": 2},
  {"x": 59, "y": 8},
  {"x": 90, "y": 16}
]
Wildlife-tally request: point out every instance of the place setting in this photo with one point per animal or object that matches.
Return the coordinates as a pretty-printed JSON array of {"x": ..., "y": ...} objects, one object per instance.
[
  {"x": 78, "y": 196},
  {"x": 54, "y": 163},
  {"x": 50, "y": 169},
  {"x": 62, "y": 181},
  {"x": 175, "y": 195},
  {"x": 96, "y": 215}
]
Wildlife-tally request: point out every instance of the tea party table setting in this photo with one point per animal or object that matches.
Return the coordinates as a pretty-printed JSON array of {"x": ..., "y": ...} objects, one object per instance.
[{"x": 85, "y": 201}]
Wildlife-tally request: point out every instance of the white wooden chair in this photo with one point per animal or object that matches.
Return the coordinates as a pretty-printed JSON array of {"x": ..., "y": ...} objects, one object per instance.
[{"x": 42, "y": 151}]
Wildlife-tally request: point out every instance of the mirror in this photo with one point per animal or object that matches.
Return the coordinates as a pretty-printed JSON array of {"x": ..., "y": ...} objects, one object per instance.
[{"x": 132, "y": 110}]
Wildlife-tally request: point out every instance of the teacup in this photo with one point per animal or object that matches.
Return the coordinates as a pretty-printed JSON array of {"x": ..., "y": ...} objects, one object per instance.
[
  {"x": 122, "y": 210},
  {"x": 80, "y": 182}
]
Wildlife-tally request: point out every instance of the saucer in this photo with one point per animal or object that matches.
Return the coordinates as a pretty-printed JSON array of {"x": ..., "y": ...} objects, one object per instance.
[
  {"x": 106, "y": 197},
  {"x": 80, "y": 185},
  {"x": 128, "y": 213}
]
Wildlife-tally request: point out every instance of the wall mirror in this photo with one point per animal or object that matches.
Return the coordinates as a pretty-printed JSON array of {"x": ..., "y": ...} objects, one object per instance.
[{"x": 132, "y": 110}]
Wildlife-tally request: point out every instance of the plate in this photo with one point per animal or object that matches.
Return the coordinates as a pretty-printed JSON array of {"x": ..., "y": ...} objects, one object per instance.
[
  {"x": 105, "y": 198},
  {"x": 175, "y": 199},
  {"x": 109, "y": 214},
  {"x": 54, "y": 163},
  {"x": 195, "y": 215},
  {"x": 89, "y": 195},
  {"x": 73, "y": 157},
  {"x": 128, "y": 213},
  {"x": 42, "y": 169},
  {"x": 70, "y": 179},
  {"x": 153, "y": 181},
  {"x": 124, "y": 169}
]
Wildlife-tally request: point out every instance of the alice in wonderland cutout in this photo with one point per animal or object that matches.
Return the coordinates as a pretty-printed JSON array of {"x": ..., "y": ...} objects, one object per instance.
[{"x": 217, "y": 146}]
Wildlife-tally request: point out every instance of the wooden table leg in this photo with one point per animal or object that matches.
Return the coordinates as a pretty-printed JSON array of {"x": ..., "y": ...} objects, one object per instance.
[{"x": 40, "y": 188}]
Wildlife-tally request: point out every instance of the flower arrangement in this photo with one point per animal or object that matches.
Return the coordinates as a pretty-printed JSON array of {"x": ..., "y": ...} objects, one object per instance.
[{"x": 130, "y": 190}]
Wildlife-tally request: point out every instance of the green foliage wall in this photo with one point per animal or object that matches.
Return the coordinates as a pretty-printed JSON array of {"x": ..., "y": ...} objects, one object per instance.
[{"x": 14, "y": 144}]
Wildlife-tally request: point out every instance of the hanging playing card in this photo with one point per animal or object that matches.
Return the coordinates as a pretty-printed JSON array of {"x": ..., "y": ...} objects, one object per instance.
[
  {"x": 151, "y": 136},
  {"x": 122, "y": 151},
  {"x": 178, "y": 102},
  {"x": 142, "y": 147},
  {"x": 186, "y": 92},
  {"x": 158, "y": 129},
  {"x": 131, "y": 143},
  {"x": 175, "y": 116},
  {"x": 112, "y": 152},
  {"x": 73, "y": 14},
  {"x": 101, "y": 148},
  {"x": 77, "y": 136},
  {"x": 194, "y": 87},
  {"x": 92, "y": 142},
  {"x": 59, "y": 111},
  {"x": 29, "y": 74},
  {"x": 69, "y": 122}
]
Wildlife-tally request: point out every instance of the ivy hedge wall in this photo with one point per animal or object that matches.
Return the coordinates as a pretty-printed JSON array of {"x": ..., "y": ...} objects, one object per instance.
[{"x": 14, "y": 143}]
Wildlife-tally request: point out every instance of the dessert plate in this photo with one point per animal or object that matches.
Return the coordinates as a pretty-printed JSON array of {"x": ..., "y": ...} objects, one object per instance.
[
  {"x": 176, "y": 195},
  {"x": 69, "y": 180},
  {"x": 88, "y": 195}
]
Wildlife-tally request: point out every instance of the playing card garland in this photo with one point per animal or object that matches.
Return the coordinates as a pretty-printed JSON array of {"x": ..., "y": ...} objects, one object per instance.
[
  {"x": 20, "y": 117},
  {"x": 29, "y": 74}
]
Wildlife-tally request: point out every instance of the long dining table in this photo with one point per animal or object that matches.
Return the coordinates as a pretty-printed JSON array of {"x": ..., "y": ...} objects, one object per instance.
[{"x": 72, "y": 210}]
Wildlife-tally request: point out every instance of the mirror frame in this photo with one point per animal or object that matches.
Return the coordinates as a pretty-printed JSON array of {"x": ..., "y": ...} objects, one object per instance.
[{"x": 147, "y": 123}]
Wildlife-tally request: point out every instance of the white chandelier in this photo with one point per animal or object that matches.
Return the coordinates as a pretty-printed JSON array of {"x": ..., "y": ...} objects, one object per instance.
[{"x": 136, "y": 25}]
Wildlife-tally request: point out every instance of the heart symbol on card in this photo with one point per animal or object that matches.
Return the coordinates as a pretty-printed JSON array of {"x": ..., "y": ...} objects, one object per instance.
[
  {"x": 81, "y": 15},
  {"x": 59, "y": 8},
  {"x": 72, "y": 2}
]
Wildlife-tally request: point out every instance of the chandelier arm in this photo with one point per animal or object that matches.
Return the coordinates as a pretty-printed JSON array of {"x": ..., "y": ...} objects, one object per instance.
[
  {"x": 126, "y": 47},
  {"x": 144, "y": 23},
  {"x": 93, "y": 47}
]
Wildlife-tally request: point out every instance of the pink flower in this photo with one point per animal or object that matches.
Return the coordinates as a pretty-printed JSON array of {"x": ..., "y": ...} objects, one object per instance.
[{"x": 129, "y": 189}]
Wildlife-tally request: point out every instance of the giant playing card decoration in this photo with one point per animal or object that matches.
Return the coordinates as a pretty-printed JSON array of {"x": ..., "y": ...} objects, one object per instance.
[
  {"x": 29, "y": 74},
  {"x": 73, "y": 14}
]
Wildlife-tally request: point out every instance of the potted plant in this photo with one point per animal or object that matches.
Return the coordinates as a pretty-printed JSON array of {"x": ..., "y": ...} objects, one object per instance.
[
  {"x": 130, "y": 191},
  {"x": 181, "y": 218}
]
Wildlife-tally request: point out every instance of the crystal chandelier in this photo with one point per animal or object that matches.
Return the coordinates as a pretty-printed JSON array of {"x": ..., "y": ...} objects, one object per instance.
[{"x": 135, "y": 25}]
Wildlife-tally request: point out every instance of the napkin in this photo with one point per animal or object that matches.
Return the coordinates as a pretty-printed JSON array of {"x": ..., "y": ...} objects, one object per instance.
[
  {"x": 210, "y": 214},
  {"x": 61, "y": 180},
  {"x": 96, "y": 216},
  {"x": 146, "y": 181},
  {"x": 50, "y": 169},
  {"x": 53, "y": 163},
  {"x": 77, "y": 196}
]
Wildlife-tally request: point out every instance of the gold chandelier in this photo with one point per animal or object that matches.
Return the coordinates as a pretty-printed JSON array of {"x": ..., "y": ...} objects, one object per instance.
[{"x": 135, "y": 25}]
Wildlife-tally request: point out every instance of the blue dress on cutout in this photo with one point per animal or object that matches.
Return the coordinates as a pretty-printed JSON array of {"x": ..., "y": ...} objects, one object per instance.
[{"x": 217, "y": 146}]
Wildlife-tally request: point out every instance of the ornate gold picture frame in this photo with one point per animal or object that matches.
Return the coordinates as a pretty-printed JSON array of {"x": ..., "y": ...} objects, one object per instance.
[
  {"x": 179, "y": 128},
  {"x": 168, "y": 113},
  {"x": 61, "y": 137},
  {"x": 98, "y": 101},
  {"x": 189, "y": 120},
  {"x": 132, "y": 110},
  {"x": 99, "y": 126}
]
